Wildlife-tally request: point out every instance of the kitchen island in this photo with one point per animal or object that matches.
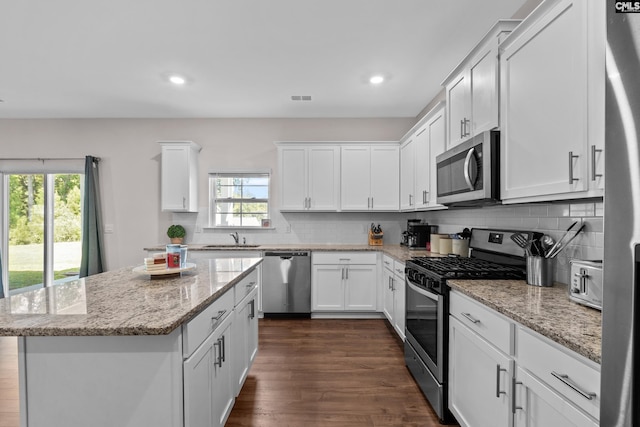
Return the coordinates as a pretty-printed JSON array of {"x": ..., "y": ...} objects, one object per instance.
[{"x": 121, "y": 349}]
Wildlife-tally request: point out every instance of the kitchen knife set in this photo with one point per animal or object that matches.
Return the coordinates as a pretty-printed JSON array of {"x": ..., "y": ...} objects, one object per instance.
[{"x": 538, "y": 244}]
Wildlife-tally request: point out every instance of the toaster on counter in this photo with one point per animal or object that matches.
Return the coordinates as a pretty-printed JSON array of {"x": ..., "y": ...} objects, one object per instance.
[{"x": 586, "y": 283}]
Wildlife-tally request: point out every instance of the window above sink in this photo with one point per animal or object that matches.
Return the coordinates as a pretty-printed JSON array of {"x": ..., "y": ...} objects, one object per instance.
[{"x": 239, "y": 200}]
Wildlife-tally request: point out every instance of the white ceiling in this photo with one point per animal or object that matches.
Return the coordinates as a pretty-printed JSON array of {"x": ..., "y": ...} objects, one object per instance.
[{"x": 242, "y": 58}]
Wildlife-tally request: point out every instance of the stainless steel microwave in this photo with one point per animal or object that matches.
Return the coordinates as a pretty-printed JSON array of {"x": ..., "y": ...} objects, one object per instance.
[{"x": 468, "y": 174}]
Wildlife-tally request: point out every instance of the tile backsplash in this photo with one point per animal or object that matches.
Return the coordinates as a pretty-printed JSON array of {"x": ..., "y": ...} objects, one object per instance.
[
  {"x": 351, "y": 227},
  {"x": 550, "y": 218}
]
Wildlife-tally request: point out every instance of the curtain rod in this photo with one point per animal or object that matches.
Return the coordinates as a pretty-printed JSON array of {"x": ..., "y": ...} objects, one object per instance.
[{"x": 42, "y": 159}]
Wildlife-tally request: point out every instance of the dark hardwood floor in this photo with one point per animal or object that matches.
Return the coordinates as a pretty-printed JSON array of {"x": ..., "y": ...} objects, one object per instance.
[
  {"x": 330, "y": 373},
  {"x": 308, "y": 373}
]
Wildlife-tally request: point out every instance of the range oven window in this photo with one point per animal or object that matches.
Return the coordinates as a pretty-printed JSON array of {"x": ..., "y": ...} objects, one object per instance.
[{"x": 424, "y": 321}]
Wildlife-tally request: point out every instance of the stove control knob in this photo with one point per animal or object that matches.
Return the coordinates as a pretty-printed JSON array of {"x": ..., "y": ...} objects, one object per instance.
[{"x": 422, "y": 279}]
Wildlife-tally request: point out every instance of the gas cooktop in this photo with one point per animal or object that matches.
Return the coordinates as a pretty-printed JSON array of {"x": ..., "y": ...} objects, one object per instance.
[{"x": 464, "y": 268}]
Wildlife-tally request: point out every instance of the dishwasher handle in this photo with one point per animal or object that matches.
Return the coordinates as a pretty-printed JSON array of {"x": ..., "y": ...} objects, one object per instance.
[{"x": 288, "y": 254}]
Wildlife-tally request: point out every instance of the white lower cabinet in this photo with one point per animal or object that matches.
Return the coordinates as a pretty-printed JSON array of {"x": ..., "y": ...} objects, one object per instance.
[
  {"x": 393, "y": 288},
  {"x": 537, "y": 405},
  {"x": 504, "y": 374},
  {"x": 245, "y": 336},
  {"x": 220, "y": 345},
  {"x": 344, "y": 281},
  {"x": 479, "y": 379},
  {"x": 208, "y": 392}
]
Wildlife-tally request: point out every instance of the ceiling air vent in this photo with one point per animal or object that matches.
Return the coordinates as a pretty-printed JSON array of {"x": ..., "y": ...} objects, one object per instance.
[{"x": 301, "y": 97}]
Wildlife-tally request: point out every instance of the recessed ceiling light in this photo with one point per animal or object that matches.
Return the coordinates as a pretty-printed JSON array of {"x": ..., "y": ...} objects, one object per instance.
[
  {"x": 376, "y": 80},
  {"x": 177, "y": 80}
]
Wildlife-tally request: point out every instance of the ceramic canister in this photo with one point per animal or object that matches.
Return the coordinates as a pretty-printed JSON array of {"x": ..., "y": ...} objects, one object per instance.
[
  {"x": 435, "y": 242},
  {"x": 460, "y": 247},
  {"x": 445, "y": 246}
]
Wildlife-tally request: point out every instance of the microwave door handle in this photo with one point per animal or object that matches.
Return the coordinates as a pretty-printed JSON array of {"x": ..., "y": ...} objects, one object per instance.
[{"x": 467, "y": 163}]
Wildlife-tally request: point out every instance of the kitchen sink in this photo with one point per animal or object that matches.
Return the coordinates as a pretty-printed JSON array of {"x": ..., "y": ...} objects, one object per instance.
[{"x": 229, "y": 246}]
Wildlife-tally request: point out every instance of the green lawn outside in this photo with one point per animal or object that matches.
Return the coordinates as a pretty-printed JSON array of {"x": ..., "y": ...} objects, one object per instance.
[{"x": 25, "y": 262}]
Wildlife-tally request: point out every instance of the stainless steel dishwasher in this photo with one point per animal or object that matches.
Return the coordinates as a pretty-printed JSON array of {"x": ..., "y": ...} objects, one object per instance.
[{"x": 286, "y": 284}]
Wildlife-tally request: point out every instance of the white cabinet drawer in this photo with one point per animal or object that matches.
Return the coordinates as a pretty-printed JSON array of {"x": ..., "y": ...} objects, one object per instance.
[
  {"x": 571, "y": 375},
  {"x": 398, "y": 269},
  {"x": 387, "y": 262},
  {"x": 196, "y": 330},
  {"x": 245, "y": 286},
  {"x": 344, "y": 257},
  {"x": 484, "y": 321}
]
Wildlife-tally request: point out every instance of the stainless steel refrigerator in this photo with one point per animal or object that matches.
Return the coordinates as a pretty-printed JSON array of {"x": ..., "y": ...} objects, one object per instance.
[{"x": 620, "y": 401}]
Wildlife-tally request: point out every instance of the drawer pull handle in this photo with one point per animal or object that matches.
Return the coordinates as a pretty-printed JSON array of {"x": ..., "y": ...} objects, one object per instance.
[
  {"x": 216, "y": 319},
  {"x": 569, "y": 382},
  {"x": 471, "y": 318},
  {"x": 498, "y": 391}
]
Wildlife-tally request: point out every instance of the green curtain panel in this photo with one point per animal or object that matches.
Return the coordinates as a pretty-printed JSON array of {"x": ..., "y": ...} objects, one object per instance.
[
  {"x": 1, "y": 284},
  {"x": 92, "y": 242}
]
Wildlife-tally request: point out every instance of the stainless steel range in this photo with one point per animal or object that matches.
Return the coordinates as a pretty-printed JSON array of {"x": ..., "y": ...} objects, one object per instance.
[{"x": 493, "y": 256}]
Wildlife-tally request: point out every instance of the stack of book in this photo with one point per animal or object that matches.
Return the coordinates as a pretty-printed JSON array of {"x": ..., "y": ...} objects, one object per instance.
[{"x": 157, "y": 263}]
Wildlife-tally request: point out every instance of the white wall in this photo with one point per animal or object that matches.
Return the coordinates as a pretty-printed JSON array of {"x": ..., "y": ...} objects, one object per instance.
[{"x": 130, "y": 170}]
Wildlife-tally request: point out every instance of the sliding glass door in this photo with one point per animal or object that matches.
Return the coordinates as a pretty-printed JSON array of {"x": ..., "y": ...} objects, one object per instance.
[{"x": 43, "y": 212}]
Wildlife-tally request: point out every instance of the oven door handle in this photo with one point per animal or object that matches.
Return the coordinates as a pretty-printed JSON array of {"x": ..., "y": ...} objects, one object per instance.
[{"x": 424, "y": 292}]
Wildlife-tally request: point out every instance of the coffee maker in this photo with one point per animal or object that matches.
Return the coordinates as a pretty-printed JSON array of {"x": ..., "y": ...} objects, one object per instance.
[{"x": 417, "y": 234}]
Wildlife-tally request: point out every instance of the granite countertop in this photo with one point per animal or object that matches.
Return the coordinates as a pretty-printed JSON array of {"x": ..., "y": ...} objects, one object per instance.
[
  {"x": 121, "y": 302},
  {"x": 546, "y": 310},
  {"x": 399, "y": 252}
]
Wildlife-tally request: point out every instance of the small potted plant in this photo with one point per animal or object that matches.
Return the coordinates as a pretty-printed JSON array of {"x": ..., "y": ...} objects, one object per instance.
[{"x": 176, "y": 233}]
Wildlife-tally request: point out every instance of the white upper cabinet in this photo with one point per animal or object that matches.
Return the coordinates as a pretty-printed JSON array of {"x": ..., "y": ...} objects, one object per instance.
[
  {"x": 179, "y": 176},
  {"x": 407, "y": 174},
  {"x": 369, "y": 178},
  {"x": 430, "y": 141},
  {"x": 552, "y": 103},
  {"x": 418, "y": 151},
  {"x": 472, "y": 88},
  {"x": 309, "y": 177}
]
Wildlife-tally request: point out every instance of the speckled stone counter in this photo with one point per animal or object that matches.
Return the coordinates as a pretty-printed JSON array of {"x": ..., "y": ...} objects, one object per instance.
[
  {"x": 546, "y": 310},
  {"x": 121, "y": 302},
  {"x": 399, "y": 252}
]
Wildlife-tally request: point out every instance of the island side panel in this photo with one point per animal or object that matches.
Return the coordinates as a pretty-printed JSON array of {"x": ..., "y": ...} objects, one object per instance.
[{"x": 126, "y": 381}]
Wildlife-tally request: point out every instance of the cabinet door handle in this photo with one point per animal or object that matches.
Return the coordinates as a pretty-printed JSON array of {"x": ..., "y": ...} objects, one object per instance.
[
  {"x": 342, "y": 278},
  {"x": 346, "y": 273},
  {"x": 218, "y": 359},
  {"x": 410, "y": 199},
  {"x": 594, "y": 151},
  {"x": 223, "y": 350},
  {"x": 462, "y": 128},
  {"x": 569, "y": 382},
  {"x": 184, "y": 203},
  {"x": 514, "y": 383},
  {"x": 389, "y": 284},
  {"x": 252, "y": 312},
  {"x": 571, "y": 157},
  {"x": 498, "y": 391},
  {"x": 471, "y": 318},
  {"x": 466, "y": 131}
]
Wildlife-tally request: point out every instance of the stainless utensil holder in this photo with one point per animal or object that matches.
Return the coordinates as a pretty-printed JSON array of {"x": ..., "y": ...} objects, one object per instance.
[{"x": 539, "y": 271}]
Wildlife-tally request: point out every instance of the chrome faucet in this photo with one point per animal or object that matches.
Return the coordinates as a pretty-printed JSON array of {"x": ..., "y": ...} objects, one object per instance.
[{"x": 235, "y": 236}]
